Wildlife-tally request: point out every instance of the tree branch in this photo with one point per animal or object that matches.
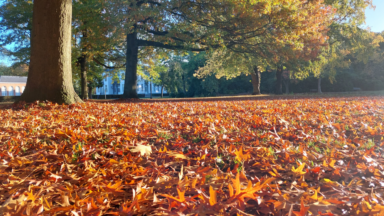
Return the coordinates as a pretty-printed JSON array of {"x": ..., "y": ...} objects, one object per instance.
[
  {"x": 167, "y": 46},
  {"x": 106, "y": 66}
]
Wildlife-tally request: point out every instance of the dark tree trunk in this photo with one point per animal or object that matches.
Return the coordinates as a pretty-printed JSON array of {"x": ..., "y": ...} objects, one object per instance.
[
  {"x": 83, "y": 75},
  {"x": 83, "y": 66},
  {"x": 184, "y": 89},
  {"x": 162, "y": 91},
  {"x": 279, "y": 80},
  {"x": 286, "y": 83},
  {"x": 150, "y": 89},
  {"x": 319, "y": 86},
  {"x": 130, "y": 87},
  {"x": 256, "y": 77},
  {"x": 50, "y": 72},
  {"x": 90, "y": 89}
]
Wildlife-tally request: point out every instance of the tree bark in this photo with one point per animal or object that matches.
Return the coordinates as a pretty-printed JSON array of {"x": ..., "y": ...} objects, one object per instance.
[
  {"x": 130, "y": 87},
  {"x": 319, "y": 86},
  {"x": 162, "y": 91},
  {"x": 50, "y": 71},
  {"x": 279, "y": 80},
  {"x": 83, "y": 73},
  {"x": 83, "y": 66},
  {"x": 256, "y": 76}
]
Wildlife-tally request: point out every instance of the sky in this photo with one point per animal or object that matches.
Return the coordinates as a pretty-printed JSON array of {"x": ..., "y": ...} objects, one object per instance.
[{"x": 374, "y": 20}]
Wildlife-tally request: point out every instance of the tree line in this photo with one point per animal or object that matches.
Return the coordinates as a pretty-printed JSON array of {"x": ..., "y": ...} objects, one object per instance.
[{"x": 63, "y": 39}]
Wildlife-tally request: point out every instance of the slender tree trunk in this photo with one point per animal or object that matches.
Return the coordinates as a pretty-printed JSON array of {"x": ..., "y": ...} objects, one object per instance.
[
  {"x": 279, "y": 80},
  {"x": 184, "y": 89},
  {"x": 83, "y": 75},
  {"x": 50, "y": 71},
  {"x": 130, "y": 87},
  {"x": 319, "y": 85},
  {"x": 150, "y": 89},
  {"x": 83, "y": 66},
  {"x": 162, "y": 91},
  {"x": 256, "y": 76},
  {"x": 286, "y": 83},
  {"x": 90, "y": 90}
]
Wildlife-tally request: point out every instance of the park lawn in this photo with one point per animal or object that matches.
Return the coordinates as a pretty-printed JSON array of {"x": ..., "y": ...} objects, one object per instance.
[{"x": 245, "y": 156}]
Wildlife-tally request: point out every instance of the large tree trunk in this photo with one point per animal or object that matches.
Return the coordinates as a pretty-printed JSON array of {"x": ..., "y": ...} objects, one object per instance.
[
  {"x": 50, "y": 72},
  {"x": 279, "y": 80},
  {"x": 256, "y": 76},
  {"x": 319, "y": 86},
  {"x": 130, "y": 87}
]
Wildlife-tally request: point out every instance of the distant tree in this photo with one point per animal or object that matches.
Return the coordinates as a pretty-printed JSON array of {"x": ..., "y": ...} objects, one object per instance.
[
  {"x": 16, "y": 27},
  {"x": 224, "y": 63},
  {"x": 4, "y": 70},
  {"x": 345, "y": 38},
  {"x": 20, "y": 70},
  {"x": 270, "y": 37},
  {"x": 96, "y": 41}
]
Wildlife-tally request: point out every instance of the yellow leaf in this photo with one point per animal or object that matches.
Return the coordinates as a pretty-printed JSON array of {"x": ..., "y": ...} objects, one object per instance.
[
  {"x": 332, "y": 164},
  {"x": 230, "y": 188},
  {"x": 112, "y": 161},
  {"x": 163, "y": 151},
  {"x": 299, "y": 169},
  {"x": 212, "y": 196},
  {"x": 31, "y": 196}
]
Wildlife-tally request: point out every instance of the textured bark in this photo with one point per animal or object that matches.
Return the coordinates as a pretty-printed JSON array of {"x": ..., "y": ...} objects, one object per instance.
[
  {"x": 130, "y": 87},
  {"x": 279, "y": 80},
  {"x": 256, "y": 76},
  {"x": 319, "y": 86},
  {"x": 50, "y": 72}
]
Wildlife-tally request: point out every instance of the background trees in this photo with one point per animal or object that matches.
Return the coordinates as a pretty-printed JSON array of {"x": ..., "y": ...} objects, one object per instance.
[
  {"x": 16, "y": 27},
  {"x": 271, "y": 34}
]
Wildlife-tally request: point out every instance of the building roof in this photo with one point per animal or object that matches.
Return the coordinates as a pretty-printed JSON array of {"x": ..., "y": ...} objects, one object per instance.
[{"x": 13, "y": 79}]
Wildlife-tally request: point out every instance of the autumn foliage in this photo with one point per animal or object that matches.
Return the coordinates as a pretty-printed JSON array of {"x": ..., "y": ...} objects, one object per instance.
[{"x": 279, "y": 157}]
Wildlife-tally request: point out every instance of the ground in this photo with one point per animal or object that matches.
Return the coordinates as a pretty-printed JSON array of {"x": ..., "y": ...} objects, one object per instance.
[{"x": 295, "y": 155}]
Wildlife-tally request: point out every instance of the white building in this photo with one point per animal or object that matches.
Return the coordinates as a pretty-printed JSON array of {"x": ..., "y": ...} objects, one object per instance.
[
  {"x": 12, "y": 85},
  {"x": 112, "y": 87}
]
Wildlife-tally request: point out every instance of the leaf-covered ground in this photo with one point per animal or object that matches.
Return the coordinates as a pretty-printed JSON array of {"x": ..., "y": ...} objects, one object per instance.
[{"x": 255, "y": 157}]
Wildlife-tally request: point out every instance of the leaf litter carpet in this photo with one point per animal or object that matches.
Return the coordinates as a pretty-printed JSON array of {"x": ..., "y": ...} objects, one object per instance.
[{"x": 256, "y": 157}]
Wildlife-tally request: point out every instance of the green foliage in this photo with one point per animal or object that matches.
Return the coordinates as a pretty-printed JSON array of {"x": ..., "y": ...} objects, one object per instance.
[
  {"x": 15, "y": 28},
  {"x": 16, "y": 70}
]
